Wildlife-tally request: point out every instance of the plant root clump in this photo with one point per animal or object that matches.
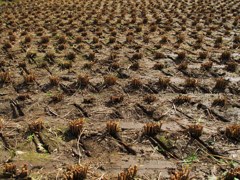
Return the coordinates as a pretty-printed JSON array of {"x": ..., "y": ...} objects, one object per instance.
[
  {"x": 113, "y": 128},
  {"x": 82, "y": 80},
  {"x": 181, "y": 99},
  {"x": 5, "y": 77},
  {"x": 36, "y": 126},
  {"x": 221, "y": 84},
  {"x": 29, "y": 78},
  {"x": 206, "y": 65},
  {"x": 76, "y": 172},
  {"x": 151, "y": 129},
  {"x": 182, "y": 174},
  {"x": 24, "y": 171},
  {"x": 233, "y": 132},
  {"x": 233, "y": 174},
  {"x": 9, "y": 169},
  {"x": 195, "y": 130},
  {"x": 76, "y": 126},
  {"x": 54, "y": 80},
  {"x": 128, "y": 174}
]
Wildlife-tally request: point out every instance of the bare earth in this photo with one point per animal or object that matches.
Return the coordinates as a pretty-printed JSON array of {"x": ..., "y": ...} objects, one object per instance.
[{"x": 173, "y": 63}]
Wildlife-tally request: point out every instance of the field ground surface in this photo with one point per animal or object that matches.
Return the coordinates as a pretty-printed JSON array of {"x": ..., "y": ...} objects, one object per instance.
[{"x": 120, "y": 89}]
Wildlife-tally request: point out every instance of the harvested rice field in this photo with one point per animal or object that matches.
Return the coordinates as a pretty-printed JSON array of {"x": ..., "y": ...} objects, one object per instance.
[{"x": 120, "y": 89}]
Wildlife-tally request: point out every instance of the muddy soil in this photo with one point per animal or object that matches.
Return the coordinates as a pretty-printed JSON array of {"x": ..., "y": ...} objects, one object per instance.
[{"x": 174, "y": 63}]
